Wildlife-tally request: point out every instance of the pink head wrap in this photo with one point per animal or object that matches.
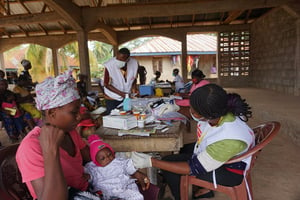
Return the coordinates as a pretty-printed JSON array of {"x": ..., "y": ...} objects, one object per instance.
[
  {"x": 56, "y": 92},
  {"x": 97, "y": 144}
]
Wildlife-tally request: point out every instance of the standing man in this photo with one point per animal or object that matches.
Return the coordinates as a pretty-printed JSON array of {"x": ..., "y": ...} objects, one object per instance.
[
  {"x": 26, "y": 75},
  {"x": 119, "y": 78}
]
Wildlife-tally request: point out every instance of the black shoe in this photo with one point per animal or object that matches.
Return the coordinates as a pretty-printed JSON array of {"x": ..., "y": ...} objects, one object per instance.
[{"x": 209, "y": 194}]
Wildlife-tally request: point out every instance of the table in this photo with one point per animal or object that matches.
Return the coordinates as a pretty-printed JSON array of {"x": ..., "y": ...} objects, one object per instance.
[{"x": 169, "y": 141}]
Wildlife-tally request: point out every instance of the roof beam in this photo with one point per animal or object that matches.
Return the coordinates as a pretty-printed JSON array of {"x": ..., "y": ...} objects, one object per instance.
[
  {"x": 2, "y": 9},
  {"x": 24, "y": 6},
  {"x": 108, "y": 32},
  {"x": 232, "y": 16},
  {"x": 68, "y": 11},
  {"x": 178, "y": 8},
  {"x": 29, "y": 19}
]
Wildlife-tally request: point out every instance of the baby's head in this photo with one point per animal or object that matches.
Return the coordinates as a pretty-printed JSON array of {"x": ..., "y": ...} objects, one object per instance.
[{"x": 101, "y": 153}]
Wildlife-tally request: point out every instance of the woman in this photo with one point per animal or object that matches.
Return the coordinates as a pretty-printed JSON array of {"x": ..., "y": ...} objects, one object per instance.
[
  {"x": 13, "y": 126},
  {"x": 51, "y": 157},
  {"x": 198, "y": 81},
  {"x": 221, "y": 134}
]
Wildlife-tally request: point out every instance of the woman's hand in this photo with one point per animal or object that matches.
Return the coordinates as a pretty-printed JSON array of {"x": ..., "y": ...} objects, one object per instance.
[
  {"x": 142, "y": 179},
  {"x": 141, "y": 160},
  {"x": 51, "y": 138}
]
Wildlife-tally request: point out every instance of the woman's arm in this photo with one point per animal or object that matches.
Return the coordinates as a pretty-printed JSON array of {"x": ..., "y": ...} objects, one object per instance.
[
  {"x": 175, "y": 167},
  {"x": 53, "y": 184}
]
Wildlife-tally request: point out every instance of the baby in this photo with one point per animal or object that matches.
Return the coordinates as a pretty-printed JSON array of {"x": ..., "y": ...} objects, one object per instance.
[{"x": 112, "y": 175}]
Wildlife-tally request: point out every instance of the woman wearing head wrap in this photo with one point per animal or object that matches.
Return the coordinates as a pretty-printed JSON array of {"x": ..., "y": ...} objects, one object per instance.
[
  {"x": 112, "y": 175},
  {"x": 50, "y": 157},
  {"x": 221, "y": 134}
]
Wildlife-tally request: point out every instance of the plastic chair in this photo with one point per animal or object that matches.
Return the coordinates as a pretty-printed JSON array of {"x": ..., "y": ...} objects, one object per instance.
[
  {"x": 11, "y": 186},
  {"x": 264, "y": 133}
]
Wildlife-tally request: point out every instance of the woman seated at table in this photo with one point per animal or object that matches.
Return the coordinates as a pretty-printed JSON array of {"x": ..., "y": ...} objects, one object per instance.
[
  {"x": 222, "y": 133},
  {"x": 198, "y": 81},
  {"x": 51, "y": 157}
]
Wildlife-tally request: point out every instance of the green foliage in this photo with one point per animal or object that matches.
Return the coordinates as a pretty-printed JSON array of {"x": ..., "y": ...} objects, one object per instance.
[
  {"x": 37, "y": 55},
  {"x": 99, "y": 52}
]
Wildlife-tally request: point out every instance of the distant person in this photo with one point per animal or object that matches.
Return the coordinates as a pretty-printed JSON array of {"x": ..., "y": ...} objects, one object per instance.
[
  {"x": 142, "y": 74},
  {"x": 178, "y": 81},
  {"x": 156, "y": 78},
  {"x": 82, "y": 85},
  {"x": 198, "y": 81},
  {"x": 112, "y": 175},
  {"x": 13, "y": 122},
  {"x": 26, "y": 100},
  {"x": 119, "y": 78},
  {"x": 26, "y": 75}
]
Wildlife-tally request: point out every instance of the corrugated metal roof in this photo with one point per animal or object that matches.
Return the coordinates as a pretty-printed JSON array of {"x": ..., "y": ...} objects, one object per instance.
[{"x": 196, "y": 44}]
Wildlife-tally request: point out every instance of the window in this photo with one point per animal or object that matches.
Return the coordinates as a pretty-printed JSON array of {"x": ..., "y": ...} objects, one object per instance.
[
  {"x": 157, "y": 65},
  {"x": 234, "y": 53}
]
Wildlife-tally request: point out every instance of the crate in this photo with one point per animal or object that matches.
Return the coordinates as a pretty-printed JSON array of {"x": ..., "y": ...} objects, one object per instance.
[{"x": 146, "y": 90}]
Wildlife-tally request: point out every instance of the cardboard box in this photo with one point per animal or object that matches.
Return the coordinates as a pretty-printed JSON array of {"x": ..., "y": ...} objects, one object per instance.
[{"x": 125, "y": 122}]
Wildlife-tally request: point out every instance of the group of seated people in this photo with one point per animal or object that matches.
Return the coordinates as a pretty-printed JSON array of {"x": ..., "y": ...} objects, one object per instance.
[
  {"x": 18, "y": 109},
  {"x": 58, "y": 163}
]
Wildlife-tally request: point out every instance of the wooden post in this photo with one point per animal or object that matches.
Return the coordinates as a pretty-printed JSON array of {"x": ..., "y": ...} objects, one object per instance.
[
  {"x": 115, "y": 50},
  {"x": 2, "y": 67},
  {"x": 183, "y": 58},
  {"x": 84, "y": 56},
  {"x": 55, "y": 61}
]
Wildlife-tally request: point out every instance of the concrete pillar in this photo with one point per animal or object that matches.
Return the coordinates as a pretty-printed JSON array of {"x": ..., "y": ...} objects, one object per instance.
[
  {"x": 184, "y": 57},
  {"x": 84, "y": 56},
  {"x": 55, "y": 61}
]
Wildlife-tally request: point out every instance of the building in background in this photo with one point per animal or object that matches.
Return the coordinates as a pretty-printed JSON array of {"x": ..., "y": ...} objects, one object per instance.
[{"x": 164, "y": 54}]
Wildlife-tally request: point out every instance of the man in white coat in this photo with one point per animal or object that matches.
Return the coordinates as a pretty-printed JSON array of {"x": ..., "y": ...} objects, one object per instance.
[{"x": 119, "y": 78}]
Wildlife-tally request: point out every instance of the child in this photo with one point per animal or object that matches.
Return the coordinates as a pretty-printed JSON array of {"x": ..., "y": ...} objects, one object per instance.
[{"x": 112, "y": 175}]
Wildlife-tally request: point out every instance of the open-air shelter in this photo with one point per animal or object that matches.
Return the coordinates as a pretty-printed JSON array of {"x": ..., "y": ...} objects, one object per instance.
[{"x": 258, "y": 40}]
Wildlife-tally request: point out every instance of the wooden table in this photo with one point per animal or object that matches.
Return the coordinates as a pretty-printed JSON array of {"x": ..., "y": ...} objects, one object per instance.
[{"x": 169, "y": 141}]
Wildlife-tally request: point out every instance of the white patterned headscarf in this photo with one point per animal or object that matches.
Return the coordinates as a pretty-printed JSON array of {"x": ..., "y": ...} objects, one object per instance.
[{"x": 56, "y": 92}]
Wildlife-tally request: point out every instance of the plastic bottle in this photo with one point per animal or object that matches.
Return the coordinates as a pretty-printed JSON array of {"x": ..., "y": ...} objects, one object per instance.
[{"x": 127, "y": 103}]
